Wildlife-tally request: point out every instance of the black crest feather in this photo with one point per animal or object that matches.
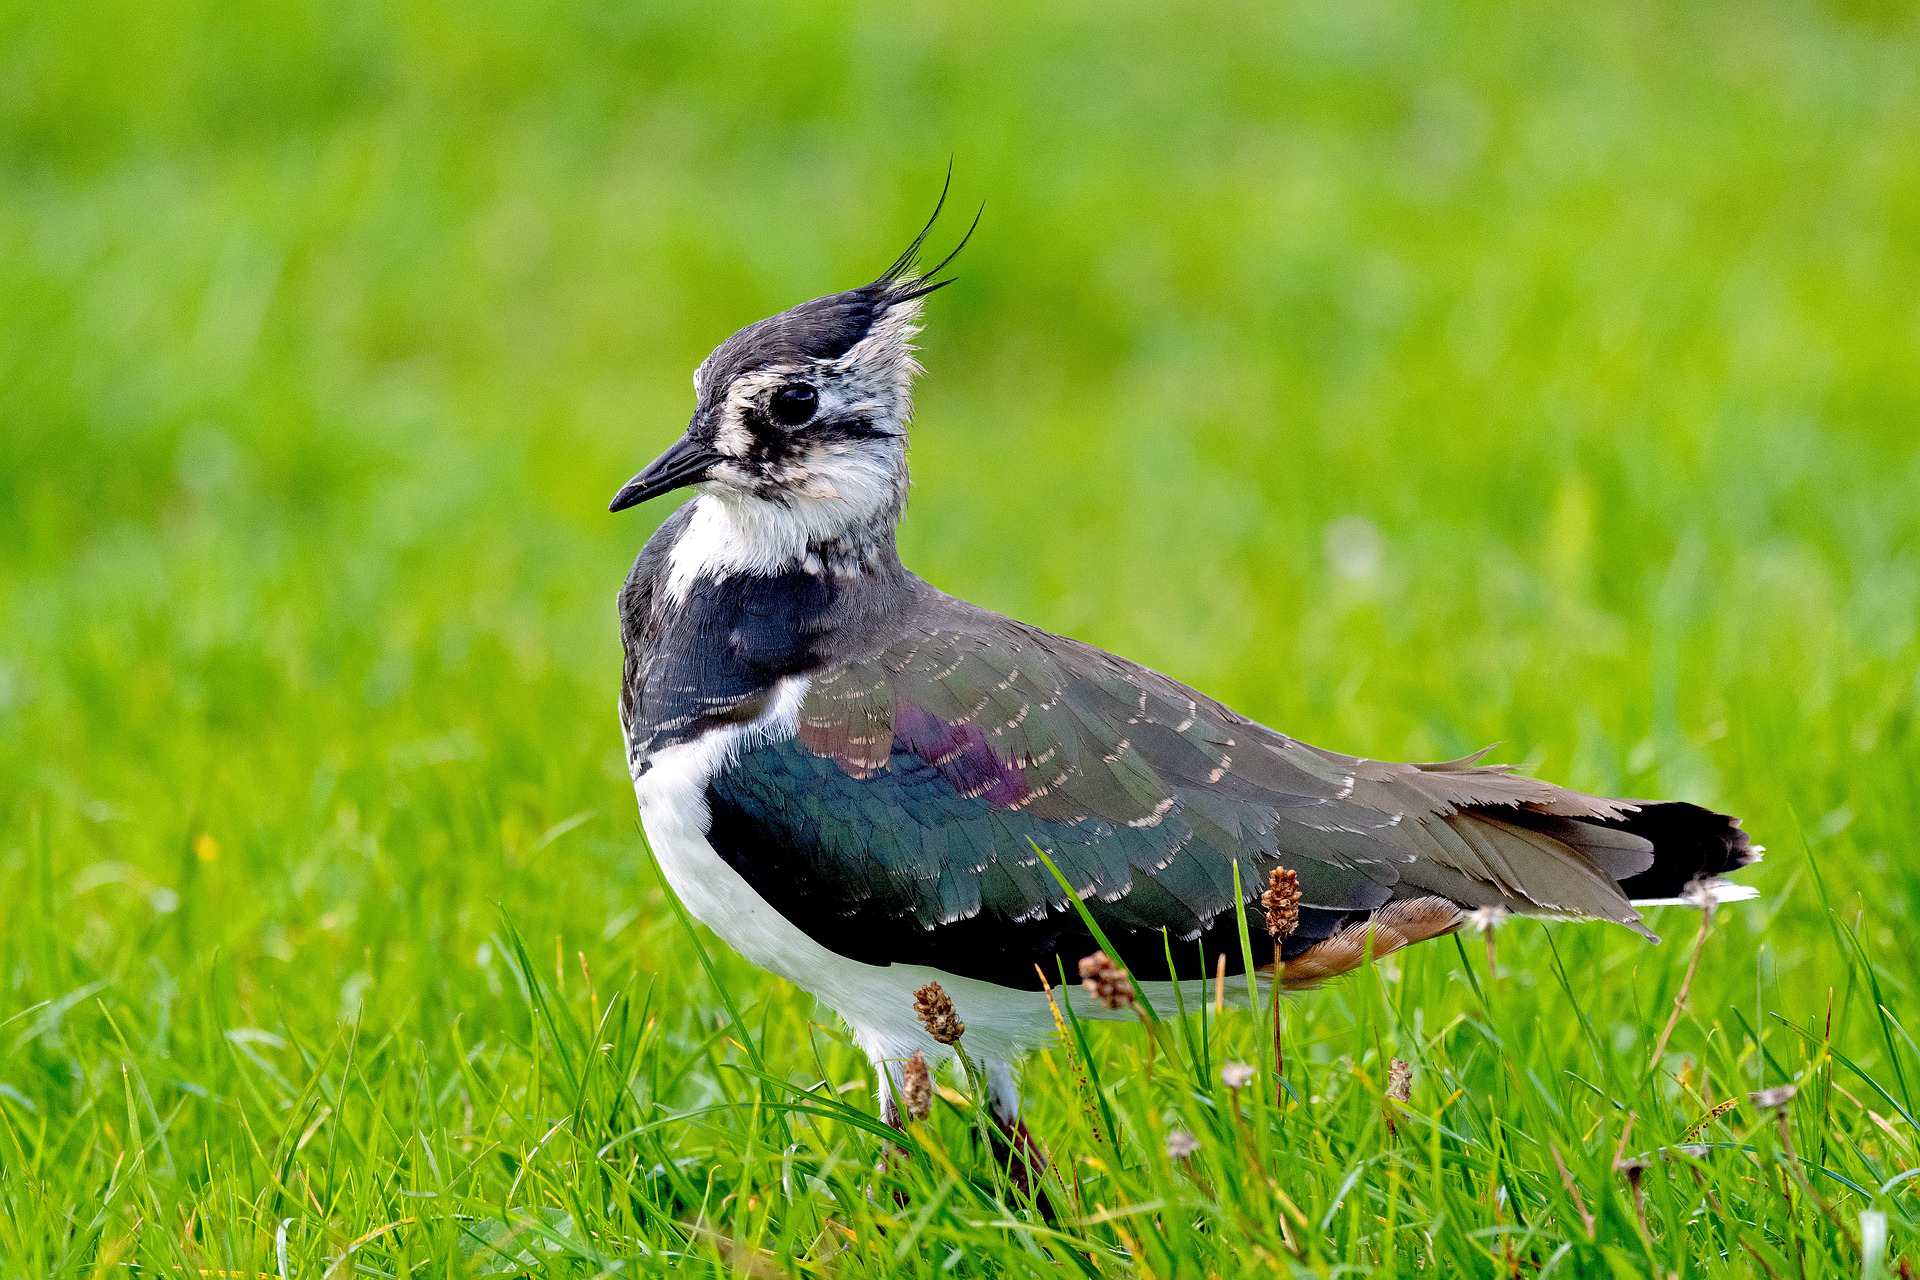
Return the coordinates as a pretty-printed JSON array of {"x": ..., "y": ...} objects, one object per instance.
[
  {"x": 904, "y": 281},
  {"x": 827, "y": 328}
]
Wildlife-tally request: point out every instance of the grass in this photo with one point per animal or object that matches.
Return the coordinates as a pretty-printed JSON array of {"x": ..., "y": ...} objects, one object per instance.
[{"x": 1411, "y": 377}]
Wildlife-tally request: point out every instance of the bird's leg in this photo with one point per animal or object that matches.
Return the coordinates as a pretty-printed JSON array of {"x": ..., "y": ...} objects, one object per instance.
[
  {"x": 1015, "y": 1147},
  {"x": 889, "y": 1097},
  {"x": 886, "y": 1072}
]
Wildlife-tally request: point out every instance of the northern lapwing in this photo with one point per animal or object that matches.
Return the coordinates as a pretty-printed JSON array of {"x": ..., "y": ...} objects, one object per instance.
[{"x": 845, "y": 772}]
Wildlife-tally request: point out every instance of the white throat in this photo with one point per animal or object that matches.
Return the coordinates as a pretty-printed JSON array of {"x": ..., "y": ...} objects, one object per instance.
[{"x": 733, "y": 533}]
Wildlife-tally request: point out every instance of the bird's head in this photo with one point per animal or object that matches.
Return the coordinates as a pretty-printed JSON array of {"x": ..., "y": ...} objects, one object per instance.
[{"x": 801, "y": 419}]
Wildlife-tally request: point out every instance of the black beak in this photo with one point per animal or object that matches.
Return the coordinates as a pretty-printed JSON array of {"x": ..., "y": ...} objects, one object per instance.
[{"x": 686, "y": 462}]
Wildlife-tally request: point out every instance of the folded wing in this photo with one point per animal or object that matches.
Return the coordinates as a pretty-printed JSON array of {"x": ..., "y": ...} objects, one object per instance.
[{"x": 901, "y": 823}]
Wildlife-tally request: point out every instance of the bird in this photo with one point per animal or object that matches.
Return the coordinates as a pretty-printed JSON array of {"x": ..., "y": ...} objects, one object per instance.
[{"x": 878, "y": 791}]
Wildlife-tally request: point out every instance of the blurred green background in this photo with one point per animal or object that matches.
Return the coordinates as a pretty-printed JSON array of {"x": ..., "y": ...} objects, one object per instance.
[{"x": 1411, "y": 377}]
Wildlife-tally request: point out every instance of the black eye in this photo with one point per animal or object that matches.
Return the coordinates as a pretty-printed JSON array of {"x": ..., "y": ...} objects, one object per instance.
[{"x": 793, "y": 404}]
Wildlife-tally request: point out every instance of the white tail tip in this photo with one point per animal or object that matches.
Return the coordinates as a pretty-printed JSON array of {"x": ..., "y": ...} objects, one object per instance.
[{"x": 1714, "y": 891}]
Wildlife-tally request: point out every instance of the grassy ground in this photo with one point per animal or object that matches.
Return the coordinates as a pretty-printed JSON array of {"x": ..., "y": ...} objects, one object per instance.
[{"x": 1412, "y": 377}]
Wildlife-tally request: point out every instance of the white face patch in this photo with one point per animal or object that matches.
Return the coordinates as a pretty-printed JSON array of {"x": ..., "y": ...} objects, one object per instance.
[
  {"x": 747, "y": 393},
  {"x": 872, "y": 382},
  {"x": 760, "y": 514}
]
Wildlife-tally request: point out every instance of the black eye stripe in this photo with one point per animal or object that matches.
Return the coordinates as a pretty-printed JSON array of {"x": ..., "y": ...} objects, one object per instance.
[{"x": 849, "y": 429}]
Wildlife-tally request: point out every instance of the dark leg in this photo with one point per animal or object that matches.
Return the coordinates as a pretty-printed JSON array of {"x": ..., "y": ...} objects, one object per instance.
[
  {"x": 893, "y": 1155},
  {"x": 1015, "y": 1147}
]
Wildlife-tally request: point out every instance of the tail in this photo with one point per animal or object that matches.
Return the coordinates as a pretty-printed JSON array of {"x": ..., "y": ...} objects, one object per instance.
[
  {"x": 1493, "y": 839},
  {"x": 1692, "y": 849},
  {"x": 1649, "y": 854}
]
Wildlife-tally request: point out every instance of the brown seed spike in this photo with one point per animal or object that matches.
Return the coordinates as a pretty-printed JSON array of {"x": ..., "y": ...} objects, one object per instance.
[
  {"x": 1399, "y": 1080},
  {"x": 916, "y": 1086},
  {"x": 1399, "y": 1089},
  {"x": 1282, "y": 902},
  {"x": 1106, "y": 982},
  {"x": 935, "y": 1011}
]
